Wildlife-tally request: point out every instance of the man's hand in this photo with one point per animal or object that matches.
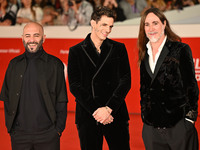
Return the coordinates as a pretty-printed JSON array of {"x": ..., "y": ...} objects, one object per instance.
[
  {"x": 102, "y": 115},
  {"x": 108, "y": 120}
]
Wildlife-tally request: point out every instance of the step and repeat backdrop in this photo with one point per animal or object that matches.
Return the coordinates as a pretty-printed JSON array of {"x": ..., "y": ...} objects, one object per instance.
[{"x": 60, "y": 39}]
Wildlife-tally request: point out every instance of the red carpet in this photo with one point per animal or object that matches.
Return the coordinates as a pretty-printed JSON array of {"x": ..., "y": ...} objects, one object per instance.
[{"x": 69, "y": 139}]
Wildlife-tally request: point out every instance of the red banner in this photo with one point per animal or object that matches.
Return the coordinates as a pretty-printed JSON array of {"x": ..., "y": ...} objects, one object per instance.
[{"x": 10, "y": 48}]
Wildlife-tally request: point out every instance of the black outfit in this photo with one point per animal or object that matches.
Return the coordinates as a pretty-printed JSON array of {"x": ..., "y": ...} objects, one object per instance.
[
  {"x": 168, "y": 96},
  {"x": 35, "y": 98},
  {"x": 97, "y": 81},
  {"x": 31, "y": 99}
]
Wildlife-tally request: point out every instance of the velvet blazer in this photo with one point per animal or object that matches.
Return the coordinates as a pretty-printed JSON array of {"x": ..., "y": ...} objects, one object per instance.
[
  {"x": 171, "y": 92},
  {"x": 97, "y": 81}
]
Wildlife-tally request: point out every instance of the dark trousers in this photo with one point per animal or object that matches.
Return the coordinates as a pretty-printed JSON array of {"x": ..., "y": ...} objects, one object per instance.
[
  {"x": 183, "y": 136},
  {"x": 116, "y": 134},
  {"x": 46, "y": 140}
]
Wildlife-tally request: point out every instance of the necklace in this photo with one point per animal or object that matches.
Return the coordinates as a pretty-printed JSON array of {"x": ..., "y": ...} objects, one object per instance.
[{"x": 99, "y": 50}]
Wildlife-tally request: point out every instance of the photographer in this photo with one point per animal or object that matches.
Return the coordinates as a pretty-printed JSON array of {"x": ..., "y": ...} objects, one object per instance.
[{"x": 76, "y": 12}]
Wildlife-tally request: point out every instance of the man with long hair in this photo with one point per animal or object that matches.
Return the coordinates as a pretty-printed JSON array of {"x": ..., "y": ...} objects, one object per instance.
[{"x": 168, "y": 87}]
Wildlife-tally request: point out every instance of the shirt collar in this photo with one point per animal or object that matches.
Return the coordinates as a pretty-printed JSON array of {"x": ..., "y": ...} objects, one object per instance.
[
  {"x": 43, "y": 56},
  {"x": 149, "y": 49}
]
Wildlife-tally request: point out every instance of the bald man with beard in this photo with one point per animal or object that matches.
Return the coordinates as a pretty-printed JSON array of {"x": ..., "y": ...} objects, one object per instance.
[{"x": 35, "y": 96}]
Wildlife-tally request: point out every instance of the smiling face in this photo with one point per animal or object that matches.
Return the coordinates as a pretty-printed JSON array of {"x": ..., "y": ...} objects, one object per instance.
[
  {"x": 154, "y": 28},
  {"x": 33, "y": 37},
  {"x": 102, "y": 28}
]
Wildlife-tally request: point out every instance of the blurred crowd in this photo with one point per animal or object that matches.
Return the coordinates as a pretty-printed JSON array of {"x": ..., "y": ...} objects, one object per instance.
[{"x": 78, "y": 12}]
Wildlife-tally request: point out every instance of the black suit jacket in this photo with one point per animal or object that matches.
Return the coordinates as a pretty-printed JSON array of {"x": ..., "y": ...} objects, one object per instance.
[
  {"x": 171, "y": 92},
  {"x": 99, "y": 81}
]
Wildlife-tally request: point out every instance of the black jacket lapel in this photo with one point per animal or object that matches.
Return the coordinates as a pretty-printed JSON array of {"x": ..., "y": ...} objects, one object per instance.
[
  {"x": 89, "y": 50},
  {"x": 146, "y": 62},
  {"x": 106, "y": 49},
  {"x": 161, "y": 58}
]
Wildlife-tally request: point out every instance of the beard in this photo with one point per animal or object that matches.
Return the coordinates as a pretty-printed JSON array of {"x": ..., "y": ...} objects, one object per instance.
[
  {"x": 31, "y": 50},
  {"x": 154, "y": 39}
]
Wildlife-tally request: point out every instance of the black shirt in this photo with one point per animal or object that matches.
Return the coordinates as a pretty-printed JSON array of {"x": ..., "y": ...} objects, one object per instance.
[{"x": 32, "y": 113}]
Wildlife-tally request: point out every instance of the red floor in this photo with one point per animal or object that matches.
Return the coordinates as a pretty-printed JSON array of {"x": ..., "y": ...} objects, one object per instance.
[{"x": 70, "y": 141}]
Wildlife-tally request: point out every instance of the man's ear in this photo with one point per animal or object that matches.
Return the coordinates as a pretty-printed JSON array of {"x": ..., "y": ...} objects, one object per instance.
[
  {"x": 164, "y": 24},
  {"x": 93, "y": 23},
  {"x": 44, "y": 38}
]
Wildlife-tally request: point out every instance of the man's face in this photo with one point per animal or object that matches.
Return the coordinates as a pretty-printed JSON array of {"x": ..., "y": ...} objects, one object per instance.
[
  {"x": 33, "y": 37},
  {"x": 103, "y": 28},
  {"x": 154, "y": 28}
]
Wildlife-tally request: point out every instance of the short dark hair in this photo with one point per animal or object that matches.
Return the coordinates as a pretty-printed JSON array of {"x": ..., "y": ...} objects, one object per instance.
[{"x": 102, "y": 11}]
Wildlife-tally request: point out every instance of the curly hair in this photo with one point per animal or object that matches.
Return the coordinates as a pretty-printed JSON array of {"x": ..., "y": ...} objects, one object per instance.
[{"x": 102, "y": 11}]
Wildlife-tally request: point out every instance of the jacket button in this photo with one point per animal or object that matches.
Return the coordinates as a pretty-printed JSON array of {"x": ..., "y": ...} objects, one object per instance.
[
  {"x": 17, "y": 94},
  {"x": 21, "y": 76}
]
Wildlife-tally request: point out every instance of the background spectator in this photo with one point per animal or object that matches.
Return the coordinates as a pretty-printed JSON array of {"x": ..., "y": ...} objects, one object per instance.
[
  {"x": 8, "y": 13},
  {"x": 49, "y": 15},
  {"x": 18, "y": 3},
  {"x": 28, "y": 12},
  {"x": 160, "y": 4},
  {"x": 112, "y": 4},
  {"x": 188, "y": 3},
  {"x": 133, "y": 8},
  {"x": 49, "y": 12},
  {"x": 31, "y": 12},
  {"x": 96, "y": 3},
  {"x": 76, "y": 12},
  {"x": 43, "y": 3}
]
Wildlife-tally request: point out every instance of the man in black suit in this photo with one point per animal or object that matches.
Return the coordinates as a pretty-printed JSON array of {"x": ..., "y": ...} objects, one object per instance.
[
  {"x": 99, "y": 78},
  {"x": 169, "y": 90}
]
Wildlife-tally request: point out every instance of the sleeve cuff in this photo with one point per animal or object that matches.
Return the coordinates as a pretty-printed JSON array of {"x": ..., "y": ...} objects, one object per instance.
[{"x": 189, "y": 120}]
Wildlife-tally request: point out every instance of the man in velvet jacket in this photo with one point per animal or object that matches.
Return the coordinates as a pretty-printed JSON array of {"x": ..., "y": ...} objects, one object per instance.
[
  {"x": 169, "y": 90},
  {"x": 99, "y": 78}
]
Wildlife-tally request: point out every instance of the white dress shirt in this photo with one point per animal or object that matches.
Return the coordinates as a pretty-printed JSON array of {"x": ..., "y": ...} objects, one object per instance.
[{"x": 152, "y": 63}]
